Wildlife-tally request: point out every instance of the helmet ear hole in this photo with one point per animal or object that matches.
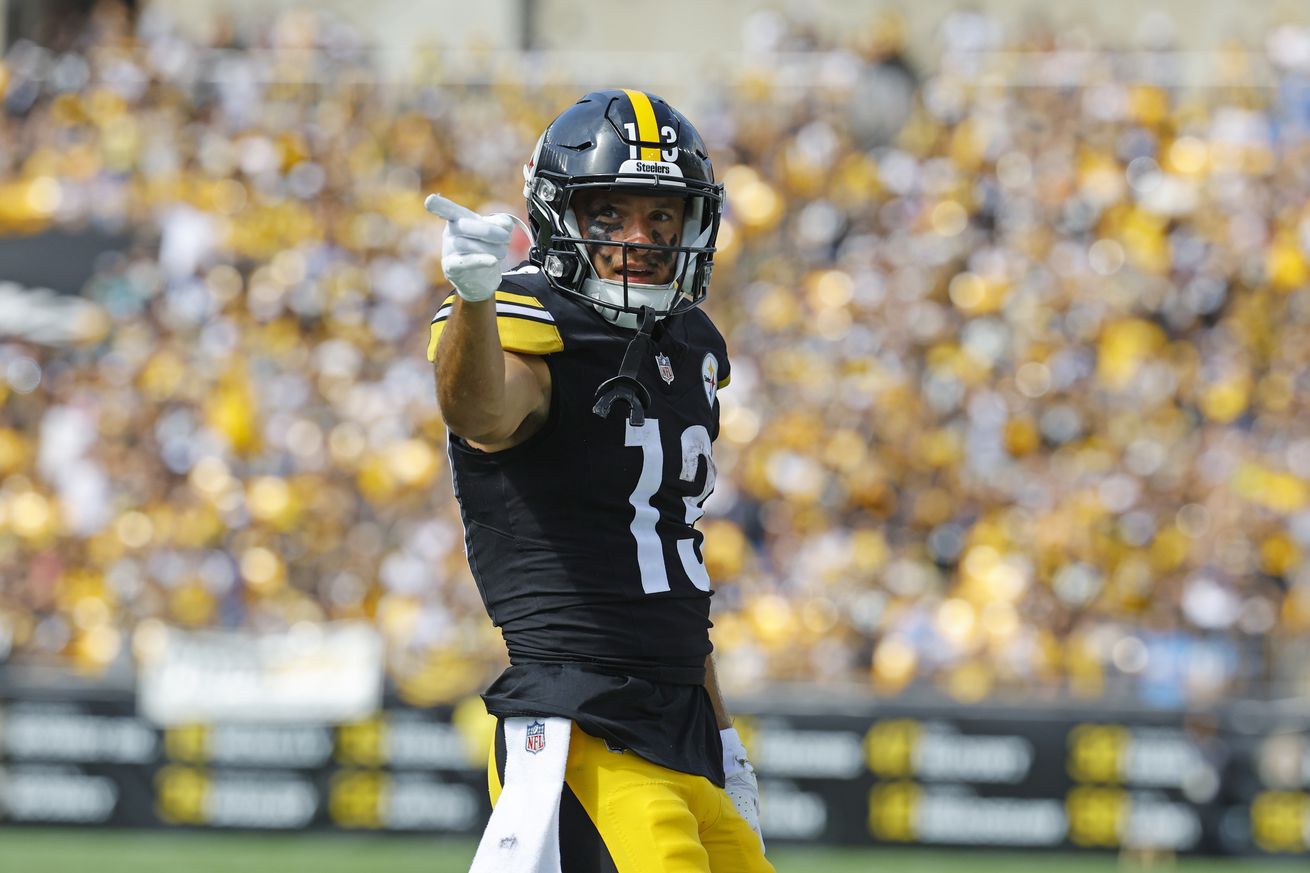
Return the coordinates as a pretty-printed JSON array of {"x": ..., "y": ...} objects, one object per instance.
[
  {"x": 547, "y": 190},
  {"x": 563, "y": 266}
]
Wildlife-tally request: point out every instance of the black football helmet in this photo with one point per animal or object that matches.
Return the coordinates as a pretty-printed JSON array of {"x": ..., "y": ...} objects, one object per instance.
[{"x": 634, "y": 142}]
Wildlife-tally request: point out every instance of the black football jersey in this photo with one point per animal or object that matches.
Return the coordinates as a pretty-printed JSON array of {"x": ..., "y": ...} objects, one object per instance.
[{"x": 582, "y": 539}]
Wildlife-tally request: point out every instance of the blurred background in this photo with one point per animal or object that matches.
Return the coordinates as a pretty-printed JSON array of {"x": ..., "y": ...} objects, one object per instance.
[{"x": 1010, "y": 538}]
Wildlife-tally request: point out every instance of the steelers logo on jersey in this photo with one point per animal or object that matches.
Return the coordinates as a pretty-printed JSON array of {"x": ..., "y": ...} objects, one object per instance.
[{"x": 710, "y": 376}]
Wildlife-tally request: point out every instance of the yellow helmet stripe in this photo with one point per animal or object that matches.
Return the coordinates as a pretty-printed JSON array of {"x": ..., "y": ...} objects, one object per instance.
[{"x": 647, "y": 128}]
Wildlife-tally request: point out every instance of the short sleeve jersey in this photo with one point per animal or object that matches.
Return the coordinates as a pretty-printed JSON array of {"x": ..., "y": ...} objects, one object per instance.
[{"x": 582, "y": 539}]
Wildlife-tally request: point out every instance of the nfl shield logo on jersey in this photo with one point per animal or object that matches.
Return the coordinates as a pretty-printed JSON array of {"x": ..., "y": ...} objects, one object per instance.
[
  {"x": 536, "y": 737},
  {"x": 666, "y": 368}
]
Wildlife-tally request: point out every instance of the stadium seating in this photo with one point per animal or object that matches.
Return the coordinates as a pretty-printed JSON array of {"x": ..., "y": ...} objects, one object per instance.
[{"x": 1019, "y": 381}]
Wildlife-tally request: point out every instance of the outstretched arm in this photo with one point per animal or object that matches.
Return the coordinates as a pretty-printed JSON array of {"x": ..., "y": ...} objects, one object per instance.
[{"x": 492, "y": 398}]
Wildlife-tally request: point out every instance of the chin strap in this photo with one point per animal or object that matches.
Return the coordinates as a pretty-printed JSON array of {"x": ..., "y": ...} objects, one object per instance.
[{"x": 625, "y": 387}]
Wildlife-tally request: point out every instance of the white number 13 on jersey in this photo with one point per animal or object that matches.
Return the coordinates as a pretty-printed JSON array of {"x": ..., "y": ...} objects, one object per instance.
[{"x": 650, "y": 551}]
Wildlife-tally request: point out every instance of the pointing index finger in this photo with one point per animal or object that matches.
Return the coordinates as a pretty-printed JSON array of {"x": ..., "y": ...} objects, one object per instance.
[{"x": 447, "y": 209}]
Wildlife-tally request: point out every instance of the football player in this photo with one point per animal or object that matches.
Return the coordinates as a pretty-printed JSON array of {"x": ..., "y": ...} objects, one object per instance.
[{"x": 580, "y": 390}]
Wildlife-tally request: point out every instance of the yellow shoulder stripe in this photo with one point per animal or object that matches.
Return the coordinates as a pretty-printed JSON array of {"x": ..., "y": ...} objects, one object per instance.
[
  {"x": 519, "y": 298},
  {"x": 437, "y": 328},
  {"x": 516, "y": 335},
  {"x": 529, "y": 337},
  {"x": 504, "y": 296},
  {"x": 723, "y": 383}
]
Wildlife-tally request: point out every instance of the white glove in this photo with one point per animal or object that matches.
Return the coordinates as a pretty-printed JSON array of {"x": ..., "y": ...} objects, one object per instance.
[
  {"x": 472, "y": 247},
  {"x": 739, "y": 781}
]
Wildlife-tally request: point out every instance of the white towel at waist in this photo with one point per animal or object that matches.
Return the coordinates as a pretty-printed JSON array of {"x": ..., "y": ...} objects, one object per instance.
[{"x": 522, "y": 835}]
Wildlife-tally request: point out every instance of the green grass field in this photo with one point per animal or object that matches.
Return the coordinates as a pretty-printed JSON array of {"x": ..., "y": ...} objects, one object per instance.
[{"x": 83, "y": 851}]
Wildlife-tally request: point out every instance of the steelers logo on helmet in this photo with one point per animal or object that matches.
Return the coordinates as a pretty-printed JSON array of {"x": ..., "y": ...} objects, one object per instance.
[{"x": 624, "y": 144}]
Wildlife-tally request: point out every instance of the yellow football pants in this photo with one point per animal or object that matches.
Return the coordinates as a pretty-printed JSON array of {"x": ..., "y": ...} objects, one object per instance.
[{"x": 619, "y": 813}]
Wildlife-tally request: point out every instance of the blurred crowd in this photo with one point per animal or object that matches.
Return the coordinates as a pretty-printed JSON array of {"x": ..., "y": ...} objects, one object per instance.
[{"x": 1020, "y": 345}]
